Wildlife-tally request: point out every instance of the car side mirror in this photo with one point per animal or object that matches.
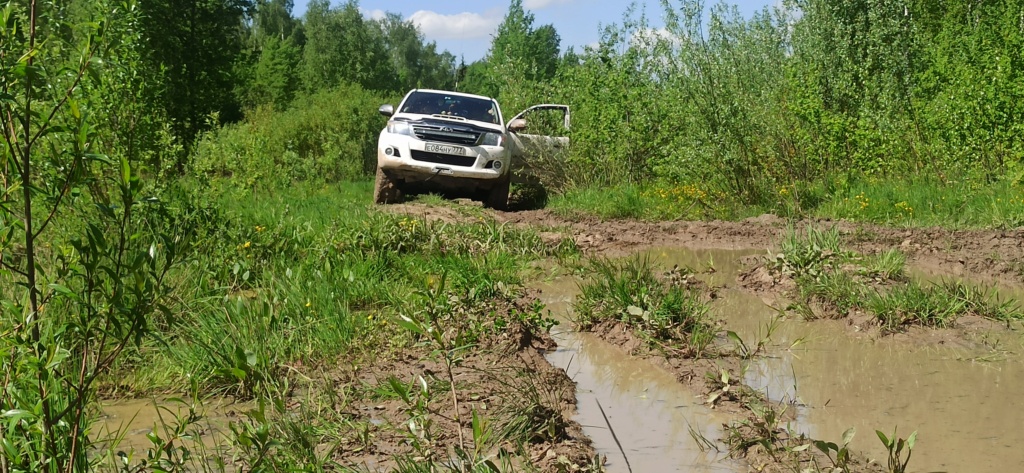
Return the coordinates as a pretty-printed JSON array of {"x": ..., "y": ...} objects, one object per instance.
[
  {"x": 517, "y": 125},
  {"x": 387, "y": 110}
]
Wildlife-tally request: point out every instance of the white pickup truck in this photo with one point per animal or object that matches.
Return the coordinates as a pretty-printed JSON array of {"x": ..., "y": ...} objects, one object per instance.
[{"x": 459, "y": 142}]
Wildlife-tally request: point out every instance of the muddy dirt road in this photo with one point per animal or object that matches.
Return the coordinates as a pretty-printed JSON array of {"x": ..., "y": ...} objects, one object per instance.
[
  {"x": 993, "y": 255},
  {"x": 956, "y": 387}
]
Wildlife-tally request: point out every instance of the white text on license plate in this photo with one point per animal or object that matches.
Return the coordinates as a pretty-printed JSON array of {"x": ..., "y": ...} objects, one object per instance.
[{"x": 443, "y": 149}]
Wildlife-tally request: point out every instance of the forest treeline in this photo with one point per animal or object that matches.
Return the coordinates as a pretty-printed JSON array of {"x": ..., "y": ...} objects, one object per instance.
[
  {"x": 809, "y": 90},
  {"x": 818, "y": 91}
]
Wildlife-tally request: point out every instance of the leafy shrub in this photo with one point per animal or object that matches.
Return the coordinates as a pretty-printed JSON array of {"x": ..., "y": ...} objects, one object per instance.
[{"x": 324, "y": 137}]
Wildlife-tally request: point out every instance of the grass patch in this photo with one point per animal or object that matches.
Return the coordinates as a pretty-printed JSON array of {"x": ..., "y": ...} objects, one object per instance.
[
  {"x": 921, "y": 203},
  {"x": 938, "y": 305},
  {"x": 292, "y": 286},
  {"x": 665, "y": 309},
  {"x": 840, "y": 281},
  {"x": 284, "y": 274}
]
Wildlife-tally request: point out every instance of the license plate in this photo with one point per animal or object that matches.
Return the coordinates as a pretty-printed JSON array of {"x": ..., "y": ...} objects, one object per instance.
[{"x": 444, "y": 149}]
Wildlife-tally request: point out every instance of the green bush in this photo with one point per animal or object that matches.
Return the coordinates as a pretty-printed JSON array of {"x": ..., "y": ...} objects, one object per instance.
[{"x": 328, "y": 136}]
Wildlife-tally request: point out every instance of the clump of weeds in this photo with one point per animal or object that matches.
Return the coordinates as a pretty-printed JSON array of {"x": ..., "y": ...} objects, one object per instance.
[
  {"x": 666, "y": 309},
  {"x": 833, "y": 282},
  {"x": 766, "y": 438},
  {"x": 938, "y": 305},
  {"x": 724, "y": 386},
  {"x": 838, "y": 456},
  {"x": 895, "y": 446},
  {"x": 761, "y": 429},
  {"x": 807, "y": 254}
]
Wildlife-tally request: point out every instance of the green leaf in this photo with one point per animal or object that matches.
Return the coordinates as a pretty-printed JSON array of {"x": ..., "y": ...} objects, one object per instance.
[
  {"x": 410, "y": 325},
  {"x": 10, "y": 449},
  {"x": 883, "y": 438},
  {"x": 16, "y": 414},
  {"x": 126, "y": 171},
  {"x": 62, "y": 290},
  {"x": 250, "y": 359},
  {"x": 911, "y": 440},
  {"x": 423, "y": 386},
  {"x": 848, "y": 435},
  {"x": 714, "y": 397},
  {"x": 399, "y": 389}
]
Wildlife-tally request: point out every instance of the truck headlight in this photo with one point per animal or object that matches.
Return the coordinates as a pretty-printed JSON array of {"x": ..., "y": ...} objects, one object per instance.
[
  {"x": 399, "y": 128},
  {"x": 492, "y": 139}
]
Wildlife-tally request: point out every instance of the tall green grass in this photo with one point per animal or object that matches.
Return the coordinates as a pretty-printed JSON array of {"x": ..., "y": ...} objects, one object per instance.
[
  {"x": 919, "y": 203},
  {"x": 893, "y": 202},
  {"x": 296, "y": 277}
]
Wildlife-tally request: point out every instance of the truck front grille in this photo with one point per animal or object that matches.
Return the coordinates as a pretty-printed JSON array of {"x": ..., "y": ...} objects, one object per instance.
[{"x": 431, "y": 132}]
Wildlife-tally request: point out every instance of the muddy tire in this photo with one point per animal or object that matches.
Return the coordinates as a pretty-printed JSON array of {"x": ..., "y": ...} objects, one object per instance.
[
  {"x": 386, "y": 191},
  {"x": 497, "y": 196}
]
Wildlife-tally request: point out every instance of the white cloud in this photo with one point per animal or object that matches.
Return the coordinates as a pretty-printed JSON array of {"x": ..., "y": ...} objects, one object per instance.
[
  {"x": 540, "y": 4},
  {"x": 377, "y": 14},
  {"x": 463, "y": 25}
]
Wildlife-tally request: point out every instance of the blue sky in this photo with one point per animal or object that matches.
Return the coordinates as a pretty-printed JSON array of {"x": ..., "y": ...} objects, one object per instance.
[{"x": 464, "y": 27}]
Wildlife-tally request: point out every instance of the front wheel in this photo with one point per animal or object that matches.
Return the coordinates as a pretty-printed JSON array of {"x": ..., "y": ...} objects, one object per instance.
[
  {"x": 385, "y": 190},
  {"x": 497, "y": 196}
]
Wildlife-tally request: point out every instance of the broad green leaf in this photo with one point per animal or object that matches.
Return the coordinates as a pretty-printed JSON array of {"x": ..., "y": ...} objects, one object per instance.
[
  {"x": 62, "y": 290},
  {"x": 848, "y": 435},
  {"x": 409, "y": 325},
  {"x": 883, "y": 438},
  {"x": 126, "y": 171}
]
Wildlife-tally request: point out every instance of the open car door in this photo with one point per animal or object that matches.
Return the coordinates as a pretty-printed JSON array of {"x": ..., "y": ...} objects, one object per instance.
[{"x": 538, "y": 140}]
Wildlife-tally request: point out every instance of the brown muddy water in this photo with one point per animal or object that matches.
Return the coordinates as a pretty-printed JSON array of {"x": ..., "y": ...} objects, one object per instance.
[
  {"x": 133, "y": 420},
  {"x": 649, "y": 412},
  {"x": 963, "y": 402}
]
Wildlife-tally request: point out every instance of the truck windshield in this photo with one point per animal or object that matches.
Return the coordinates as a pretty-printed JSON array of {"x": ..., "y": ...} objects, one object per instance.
[{"x": 470, "y": 108}]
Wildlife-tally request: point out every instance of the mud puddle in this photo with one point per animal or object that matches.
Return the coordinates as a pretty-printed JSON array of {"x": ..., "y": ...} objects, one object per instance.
[
  {"x": 133, "y": 420},
  {"x": 962, "y": 401},
  {"x": 649, "y": 412}
]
